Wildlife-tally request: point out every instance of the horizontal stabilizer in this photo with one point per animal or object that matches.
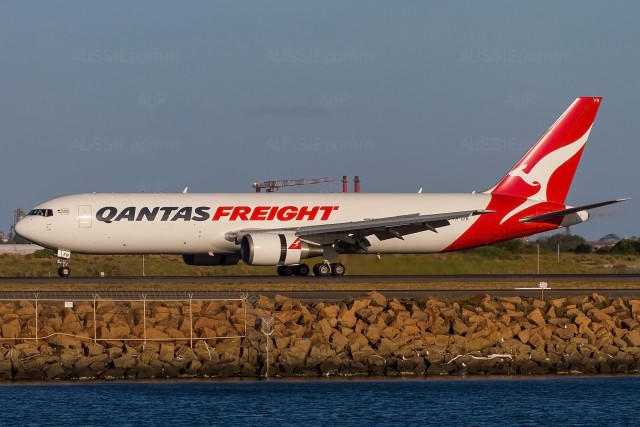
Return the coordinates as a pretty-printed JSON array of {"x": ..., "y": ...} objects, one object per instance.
[{"x": 564, "y": 212}]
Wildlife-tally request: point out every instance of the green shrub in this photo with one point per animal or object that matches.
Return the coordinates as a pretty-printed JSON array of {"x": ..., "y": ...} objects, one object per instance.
[{"x": 43, "y": 253}]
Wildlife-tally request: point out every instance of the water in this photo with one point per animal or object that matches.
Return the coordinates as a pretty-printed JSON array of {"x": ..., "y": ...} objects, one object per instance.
[{"x": 567, "y": 401}]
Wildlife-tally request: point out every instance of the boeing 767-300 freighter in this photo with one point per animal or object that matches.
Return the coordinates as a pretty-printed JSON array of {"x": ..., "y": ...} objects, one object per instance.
[{"x": 284, "y": 229}]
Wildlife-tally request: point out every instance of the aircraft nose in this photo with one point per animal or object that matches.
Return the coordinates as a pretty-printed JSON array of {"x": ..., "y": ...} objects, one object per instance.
[{"x": 22, "y": 228}]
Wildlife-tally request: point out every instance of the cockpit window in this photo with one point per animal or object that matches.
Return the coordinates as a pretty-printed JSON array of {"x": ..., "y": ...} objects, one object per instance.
[{"x": 41, "y": 212}]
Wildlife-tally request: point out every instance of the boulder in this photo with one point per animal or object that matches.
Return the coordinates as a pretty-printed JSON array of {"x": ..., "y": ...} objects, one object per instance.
[
  {"x": 536, "y": 317},
  {"x": 330, "y": 366},
  {"x": 372, "y": 333},
  {"x": 265, "y": 303},
  {"x": 347, "y": 319},
  {"x": 339, "y": 342},
  {"x": 10, "y": 330},
  {"x": 440, "y": 326},
  {"x": 478, "y": 344},
  {"x": 26, "y": 309},
  {"x": 378, "y": 300},
  {"x": 167, "y": 351},
  {"x": 92, "y": 349},
  {"x": 360, "y": 303},
  {"x": 6, "y": 373},
  {"x": 320, "y": 354},
  {"x": 524, "y": 336},
  {"x": 411, "y": 366},
  {"x": 633, "y": 338},
  {"x": 386, "y": 347},
  {"x": 566, "y": 332},
  {"x": 329, "y": 312},
  {"x": 630, "y": 323},
  {"x": 459, "y": 327},
  {"x": 124, "y": 362},
  {"x": 513, "y": 300}
]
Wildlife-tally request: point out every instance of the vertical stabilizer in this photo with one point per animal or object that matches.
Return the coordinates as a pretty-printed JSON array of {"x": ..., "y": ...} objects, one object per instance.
[{"x": 546, "y": 171}]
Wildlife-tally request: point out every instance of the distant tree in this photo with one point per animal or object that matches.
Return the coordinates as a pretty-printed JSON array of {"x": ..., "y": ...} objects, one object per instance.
[
  {"x": 567, "y": 242},
  {"x": 19, "y": 240},
  {"x": 611, "y": 237},
  {"x": 583, "y": 248},
  {"x": 626, "y": 247},
  {"x": 515, "y": 246}
]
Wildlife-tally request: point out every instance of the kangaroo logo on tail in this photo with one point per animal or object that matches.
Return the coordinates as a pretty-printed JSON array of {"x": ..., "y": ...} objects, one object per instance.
[
  {"x": 540, "y": 174},
  {"x": 546, "y": 171}
]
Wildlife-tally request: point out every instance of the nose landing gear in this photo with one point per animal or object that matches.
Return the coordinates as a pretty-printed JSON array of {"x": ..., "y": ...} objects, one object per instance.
[{"x": 63, "y": 256}]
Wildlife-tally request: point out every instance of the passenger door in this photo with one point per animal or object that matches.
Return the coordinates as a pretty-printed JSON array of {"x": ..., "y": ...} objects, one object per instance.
[{"x": 84, "y": 216}]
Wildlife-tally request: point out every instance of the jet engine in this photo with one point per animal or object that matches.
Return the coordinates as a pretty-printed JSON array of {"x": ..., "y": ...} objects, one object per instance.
[
  {"x": 206, "y": 259},
  {"x": 276, "y": 249}
]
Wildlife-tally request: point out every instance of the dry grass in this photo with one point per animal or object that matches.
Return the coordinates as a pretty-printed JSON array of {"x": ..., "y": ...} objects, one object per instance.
[
  {"x": 479, "y": 261},
  {"x": 320, "y": 284}
]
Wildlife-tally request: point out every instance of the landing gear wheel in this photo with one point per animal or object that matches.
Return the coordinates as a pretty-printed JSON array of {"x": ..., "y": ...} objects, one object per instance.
[
  {"x": 301, "y": 270},
  {"x": 337, "y": 269},
  {"x": 285, "y": 270},
  {"x": 64, "y": 271},
  {"x": 315, "y": 269},
  {"x": 324, "y": 269}
]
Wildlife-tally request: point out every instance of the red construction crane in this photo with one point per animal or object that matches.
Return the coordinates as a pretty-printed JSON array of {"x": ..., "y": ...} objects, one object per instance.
[{"x": 272, "y": 186}]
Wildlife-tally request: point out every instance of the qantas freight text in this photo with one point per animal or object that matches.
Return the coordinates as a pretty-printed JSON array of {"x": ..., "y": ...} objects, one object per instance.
[{"x": 109, "y": 214}]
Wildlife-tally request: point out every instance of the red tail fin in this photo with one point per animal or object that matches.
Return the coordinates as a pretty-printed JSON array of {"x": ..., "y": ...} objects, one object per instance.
[{"x": 546, "y": 171}]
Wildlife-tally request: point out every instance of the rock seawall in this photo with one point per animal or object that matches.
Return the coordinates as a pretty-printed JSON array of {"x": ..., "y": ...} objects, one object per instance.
[{"x": 371, "y": 335}]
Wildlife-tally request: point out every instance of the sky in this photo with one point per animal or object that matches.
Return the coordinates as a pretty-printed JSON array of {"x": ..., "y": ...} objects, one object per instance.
[{"x": 156, "y": 96}]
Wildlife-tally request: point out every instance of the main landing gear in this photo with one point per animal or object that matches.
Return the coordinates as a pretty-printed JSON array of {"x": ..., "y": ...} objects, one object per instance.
[
  {"x": 320, "y": 269},
  {"x": 293, "y": 270}
]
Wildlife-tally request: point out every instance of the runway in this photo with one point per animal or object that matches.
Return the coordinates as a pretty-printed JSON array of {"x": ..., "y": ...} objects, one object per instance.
[
  {"x": 317, "y": 288},
  {"x": 313, "y": 280}
]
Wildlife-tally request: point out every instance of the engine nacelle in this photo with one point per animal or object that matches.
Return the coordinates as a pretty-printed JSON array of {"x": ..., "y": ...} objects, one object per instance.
[
  {"x": 206, "y": 259},
  {"x": 275, "y": 249}
]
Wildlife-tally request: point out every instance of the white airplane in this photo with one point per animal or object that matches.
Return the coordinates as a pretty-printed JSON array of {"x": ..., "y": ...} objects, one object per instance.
[{"x": 283, "y": 229}]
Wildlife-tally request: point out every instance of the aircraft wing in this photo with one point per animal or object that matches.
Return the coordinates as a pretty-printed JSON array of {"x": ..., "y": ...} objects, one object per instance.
[{"x": 355, "y": 232}]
